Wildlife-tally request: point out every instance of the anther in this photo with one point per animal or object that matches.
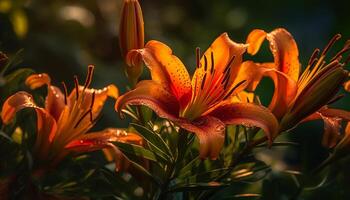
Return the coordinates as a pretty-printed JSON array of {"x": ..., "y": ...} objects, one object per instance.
[
  {"x": 228, "y": 66},
  {"x": 82, "y": 117},
  {"x": 92, "y": 100},
  {"x": 203, "y": 80},
  {"x": 65, "y": 92},
  {"x": 205, "y": 63},
  {"x": 330, "y": 44},
  {"x": 233, "y": 89},
  {"x": 212, "y": 62},
  {"x": 89, "y": 76},
  {"x": 313, "y": 56},
  {"x": 198, "y": 59},
  {"x": 344, "y": 50},
  {"x": 76, "y": 84}
]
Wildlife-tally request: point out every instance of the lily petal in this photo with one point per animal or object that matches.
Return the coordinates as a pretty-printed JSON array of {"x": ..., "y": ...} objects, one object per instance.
[
  {"x": 332, "y": 124},
  {"x": 46, "y": 124},
  {"x": 166, "y": 69},
  {"x": 98, "y": 140},
  {"x": 247, "y": 114},
  {"x": 15, "y": 103},
  {"x": 255, "y": 39},
  {"x": 35, "y": 81},
  {"x": 223, "y": 54},
  {"x": 331, "y": 133},
  {"x": 54, "y": 102},
  {"x": 152, "y": 95},
  {"x": 211, "y": 134},
  {"x": 285, "y": 87},
  {"x": 99, "y": 96},
  {"x": 285, "y": 91},
  {"x": 285, "y": 52},
  {"x": 103, "y": 140}
]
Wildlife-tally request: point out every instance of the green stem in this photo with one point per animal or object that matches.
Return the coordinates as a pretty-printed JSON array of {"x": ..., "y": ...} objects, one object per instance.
[
  {"x": 182, "y": 147},
  {"x": 248, "y": 148}
]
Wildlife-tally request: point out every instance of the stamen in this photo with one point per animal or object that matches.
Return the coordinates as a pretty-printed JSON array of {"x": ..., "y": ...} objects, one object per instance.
[
  {"x": 313, "y": 56},
  {"x": 89, "y": 76},
  {"x": 212, "y": 62},
  {"x": 203, "y": 80},
  {"x": 65, "y": 92},
  {"x": 233, "y": 89},
  {"x": 226, "y": 83},
  {"x": 330, "y": 44},
  {"x": 205, "y": 63},
  {"x": 344, "y": 50},
  {"x": 198, "y": 59},
  {"x": 314, "y": 62},
  {"x": 228, "y": 66},
  {"x": 92, "y": 100},
  {"x": 76, "y": 83},
  {"x": 226, "y": 77},
  {"x": 82, "y": 117}
]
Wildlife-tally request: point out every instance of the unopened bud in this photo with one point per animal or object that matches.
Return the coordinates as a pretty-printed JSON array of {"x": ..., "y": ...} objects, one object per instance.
[
  {"x": 316, "y": 95},
  {"x": 131, "y": 35}
]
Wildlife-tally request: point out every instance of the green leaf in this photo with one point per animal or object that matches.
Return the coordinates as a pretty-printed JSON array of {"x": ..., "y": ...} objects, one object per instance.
[
  {"x": 136, "y": 150},
  {"x": 197, "y": 186},
  {"x": 187, "y": 169},
  {"x": 155, "y": 141}
]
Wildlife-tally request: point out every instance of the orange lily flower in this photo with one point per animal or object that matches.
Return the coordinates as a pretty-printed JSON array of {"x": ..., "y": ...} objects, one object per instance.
[
  {"x": 203, "y": 105},
  {"x": 62, "y": 124},
  {"x": 297, "y": 96}
]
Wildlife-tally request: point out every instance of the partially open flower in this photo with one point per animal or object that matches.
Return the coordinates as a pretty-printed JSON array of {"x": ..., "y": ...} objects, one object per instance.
[
  {"x": 131, "y": 36},
  {"x": 63, "y": 123},
  {"x": 296, "y": 97}
]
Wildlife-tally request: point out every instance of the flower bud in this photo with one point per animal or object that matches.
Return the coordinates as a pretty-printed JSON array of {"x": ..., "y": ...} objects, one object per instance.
[
  {"x": 314, "y": 96},
  {"x": 131, "y": 35}
]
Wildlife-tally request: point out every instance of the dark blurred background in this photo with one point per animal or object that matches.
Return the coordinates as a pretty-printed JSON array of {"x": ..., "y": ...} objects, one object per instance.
[{"x": 62, "y": 37}]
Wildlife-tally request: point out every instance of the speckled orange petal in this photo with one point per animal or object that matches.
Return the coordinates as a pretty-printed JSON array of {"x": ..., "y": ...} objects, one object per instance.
[
  {"x": 285, "y": 52},
  {"x": 255, "y": 39},
  {"x": 211, "y": 134},
  {"x": 166, "y": 69},
  {"x": 247, "y": 114},
  {"x": 152, "y": 95},
  {"x": 227, "y": 55},
  {"x": 46, "y": 124}
]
